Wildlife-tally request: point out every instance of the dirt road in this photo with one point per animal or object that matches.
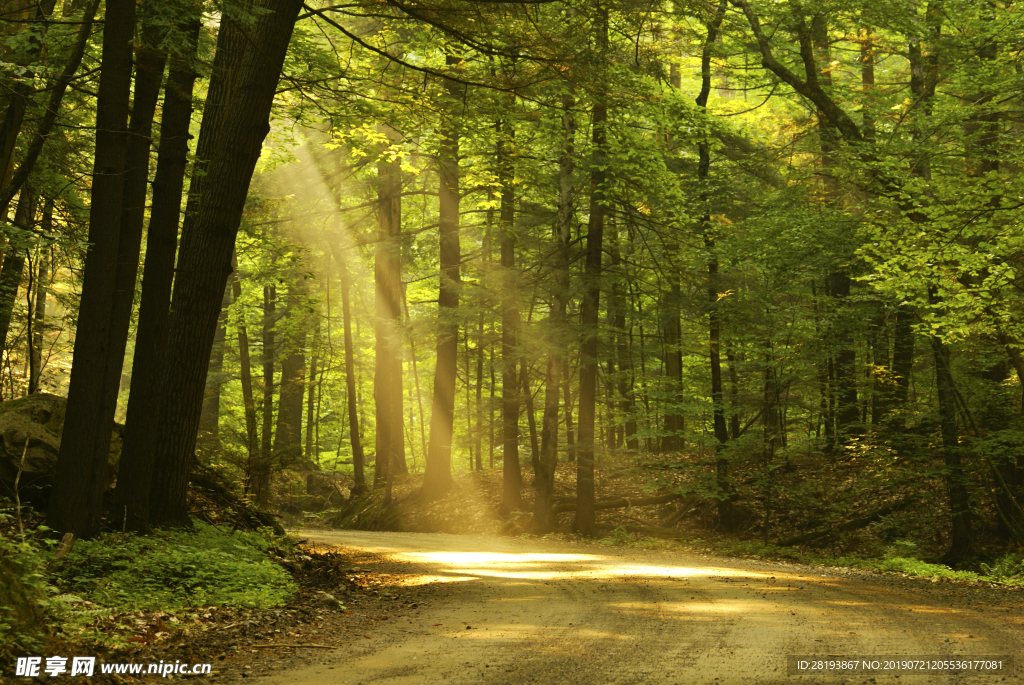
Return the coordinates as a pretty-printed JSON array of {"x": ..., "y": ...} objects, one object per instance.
[{"x": 536, "y": 611}]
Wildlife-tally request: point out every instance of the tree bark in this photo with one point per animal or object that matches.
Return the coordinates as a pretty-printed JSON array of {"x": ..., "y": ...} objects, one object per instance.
[
  {"x": 135, "y": 467},
  {"x": 437, "y": 479},
  {"x": 956, "y": 483},
  {"x": 14, "y": 264},
  {"x": 261, "y": 474},
  {"x": 673, "y": 421},
  {"x": 583, "y": 523},
  {"x": 721, "y": 430},
  {"x": 531, "y": 417},
  {"x": 387, "y": 383},
  {"x": 38, "y": 337},
  {"x": 311, "y": 392},
  {"x": 358, "y": 466},
  {"x": 512, "y": 478},
  {"x": 245, "y": 372},
  {"x": 543, "y": 518},
  {"x": 288, "y": 433},
  {"x": 80, "y": 480},
  {"x": 205, "y": 260},
  {"x": 209, "y": 417}
]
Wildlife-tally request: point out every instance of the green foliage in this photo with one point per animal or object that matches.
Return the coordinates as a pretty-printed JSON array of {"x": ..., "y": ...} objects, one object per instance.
[
  {"x": 1006, "y": 569},
  {"x": 174, "y": 569},
  {"x": 22, "y": 594},
  {"x": 619, "y": 536}
]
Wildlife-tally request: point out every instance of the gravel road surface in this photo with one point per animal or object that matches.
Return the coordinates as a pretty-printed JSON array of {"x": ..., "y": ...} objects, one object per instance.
[{"x": 510, "y": 610}]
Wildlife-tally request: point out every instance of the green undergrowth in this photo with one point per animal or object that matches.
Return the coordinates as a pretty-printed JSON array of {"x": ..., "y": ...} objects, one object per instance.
[
  {"x": 898, "y": 559},
  {"x": 22, "y": 594},
  {"x": 174, "y": 569}
]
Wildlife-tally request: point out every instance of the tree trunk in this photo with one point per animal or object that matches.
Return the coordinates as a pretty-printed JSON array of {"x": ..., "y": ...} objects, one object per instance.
[
  {"x": 543, "y": 518},
  {"x": 956, "y": 482},
  {"x": 624, "y": 352},
  {"x": 358, "y": 463},
  {"x": 261, "y": 474},
  {"x": 880, "y": 391},
  {"x": 38, "y": 338},
  {"x": 673, "y": 421},
  {"x": 387, "y": 384},
  {"x": 903, "y": 354},
  {"x": 847, "y": 409},
  {"x": 531, "y": 417},
  {"x": 772, "y": 439},
  {"x": 583, "y": 523},
  {"x": 209, "y": 417},
  {"x": 205, "y": 260},
  {"x": 14, "y": 264},
  {"x": 135, "y": 467},
  {"x": 288, "y": 432},
  {"x": 245, "y": 372},
  {"x": 437, "y": 479},
  {"x": 724, "y": 494},
  {"x": 512, "y": 478},
  {"x": 570, "y": 434},
  {"x": 479, "y": 397},
  {"x": 80, "y": 480},
  {"x": 311, "y": 392}
]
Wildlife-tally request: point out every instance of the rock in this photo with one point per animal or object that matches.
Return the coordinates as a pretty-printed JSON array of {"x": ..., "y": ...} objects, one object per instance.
[
  {"x": 38, "y": 418},
  {"x": 329, "y": 600}
]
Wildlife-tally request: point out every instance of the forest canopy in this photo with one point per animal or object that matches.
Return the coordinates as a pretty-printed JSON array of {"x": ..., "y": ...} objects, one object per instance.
[{"x": 767, "y": 250}]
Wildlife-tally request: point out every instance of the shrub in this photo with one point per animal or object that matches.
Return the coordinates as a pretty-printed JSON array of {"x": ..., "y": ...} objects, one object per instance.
[{"x": 22, "y": 595}]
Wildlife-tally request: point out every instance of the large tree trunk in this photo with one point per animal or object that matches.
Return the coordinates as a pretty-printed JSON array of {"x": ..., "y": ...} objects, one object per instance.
[
  {"x": 512, "y": 477},
  {"x": 583, "y": 523},
  {"x": 387, "y": 378},
  {"x": 77, "y": 499},
  {"x": 205, "y": 260},
  {"x": 135, "y": 467},
  {"x": 437, "y": 479}
]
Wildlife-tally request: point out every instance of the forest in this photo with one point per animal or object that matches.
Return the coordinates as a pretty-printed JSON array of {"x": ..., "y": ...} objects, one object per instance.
[{"x": 763, "y": 253}]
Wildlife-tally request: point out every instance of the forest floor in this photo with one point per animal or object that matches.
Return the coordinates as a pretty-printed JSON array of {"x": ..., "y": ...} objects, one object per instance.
[{"x": 488, "y": 609}]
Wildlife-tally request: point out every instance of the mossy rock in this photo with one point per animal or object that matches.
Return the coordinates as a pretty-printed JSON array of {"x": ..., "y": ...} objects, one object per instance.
[{"x": 39, "y": 419}]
